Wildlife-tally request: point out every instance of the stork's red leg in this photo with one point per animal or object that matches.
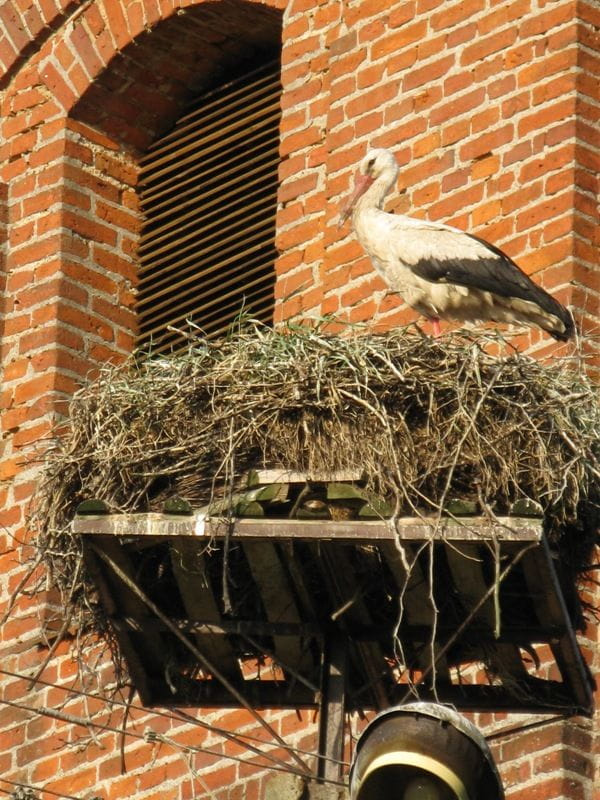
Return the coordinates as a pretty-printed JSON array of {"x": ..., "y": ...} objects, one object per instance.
[{"x": 437, "y": 330}]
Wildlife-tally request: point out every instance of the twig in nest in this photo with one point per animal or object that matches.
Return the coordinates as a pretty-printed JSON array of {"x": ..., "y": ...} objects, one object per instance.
[
  {"x": 21, "y": 586},
  {"x": 472, "y": 613},
  {"x": 61, "y": 633},
  {"x": 423, "y": 421},
  {"x": 128, "y": 703}
]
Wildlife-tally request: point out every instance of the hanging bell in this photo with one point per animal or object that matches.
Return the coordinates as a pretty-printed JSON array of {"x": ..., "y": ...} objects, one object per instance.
[{"x": 423, "y": 751}]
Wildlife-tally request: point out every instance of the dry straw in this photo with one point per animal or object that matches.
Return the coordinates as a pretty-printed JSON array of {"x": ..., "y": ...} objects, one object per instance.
[{"x": 425, "y": 420}]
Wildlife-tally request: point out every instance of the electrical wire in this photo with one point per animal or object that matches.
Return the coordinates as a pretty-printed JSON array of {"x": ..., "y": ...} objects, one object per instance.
[
  {"x": 184, "y": 716},
  {"x": 152, "y": 736},
  {"x": 181, "y": 716},
  {"x": 178, "y": 715}
]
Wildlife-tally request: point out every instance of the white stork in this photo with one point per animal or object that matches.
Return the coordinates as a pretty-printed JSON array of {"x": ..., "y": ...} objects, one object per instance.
[{"x": 441, "y": 271}]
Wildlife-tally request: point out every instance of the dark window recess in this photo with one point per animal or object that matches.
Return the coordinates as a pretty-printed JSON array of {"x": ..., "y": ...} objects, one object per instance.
[{"x": 209, "y": 195}]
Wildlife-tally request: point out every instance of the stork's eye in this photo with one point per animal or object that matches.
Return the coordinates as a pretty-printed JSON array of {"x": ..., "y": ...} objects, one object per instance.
[{"x": 370, "y": 163}]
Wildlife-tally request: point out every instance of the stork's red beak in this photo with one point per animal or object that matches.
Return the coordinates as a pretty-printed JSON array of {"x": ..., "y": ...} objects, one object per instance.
[{"x": 361, "y": 184}]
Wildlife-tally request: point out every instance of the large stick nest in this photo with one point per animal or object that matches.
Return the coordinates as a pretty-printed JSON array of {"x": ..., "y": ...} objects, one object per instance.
[{"x": 425, "y": 421}]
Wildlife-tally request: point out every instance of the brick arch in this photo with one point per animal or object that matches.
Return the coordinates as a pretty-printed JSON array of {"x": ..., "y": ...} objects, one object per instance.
[
  {"x": 25, "y": 31},
  {"x": 69, "y": 173},
  {"x": 132, "y": 101},
  {"x": 87, "y": 45}
]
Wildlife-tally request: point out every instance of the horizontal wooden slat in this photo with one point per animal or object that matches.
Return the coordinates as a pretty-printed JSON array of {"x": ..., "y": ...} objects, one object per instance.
[
  {"x": 255, "y": 142},
  {"x": 242, "y": 90},
  {"x": 206, "y": 132},
  {"x": 535, "y": 696},
  {"x": 225, "y": 627},
  {"x": 544, "y": 696},
  {"x": 162, "y": 301},
  {"x": 187, "y": 198},
  {"x": 202, "y": 226},
  {"x": 209, "y": 196},
  {"x": 262, "y": 477},
  {"x": 232, "y": 111},
  {"x": 218, "y": 301},
  {"x": 213, "y": 147},
  {"x": 188, "y": 301},
  {"x": 212, "y": 259},
  {"x": 517, "y": 529},
  {"x": 417, "y": 633},
  {"x": 256, "y": 304}
]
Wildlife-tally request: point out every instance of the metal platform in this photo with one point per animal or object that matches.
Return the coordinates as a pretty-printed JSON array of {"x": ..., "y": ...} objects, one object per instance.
[{"x": 275, "y": 612}]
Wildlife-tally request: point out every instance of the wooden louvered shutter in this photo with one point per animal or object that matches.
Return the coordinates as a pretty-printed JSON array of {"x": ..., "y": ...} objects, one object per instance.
[{"x": 209, "y": 193}]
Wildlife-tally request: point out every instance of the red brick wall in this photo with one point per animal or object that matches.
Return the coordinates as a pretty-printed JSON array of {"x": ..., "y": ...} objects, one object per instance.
[
  {"x": 492, "y": 111},
  {"x": 489, "y": 108}
]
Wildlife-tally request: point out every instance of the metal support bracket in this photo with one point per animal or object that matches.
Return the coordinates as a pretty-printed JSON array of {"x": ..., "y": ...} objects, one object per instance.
[{"x": 331, "y": 719}]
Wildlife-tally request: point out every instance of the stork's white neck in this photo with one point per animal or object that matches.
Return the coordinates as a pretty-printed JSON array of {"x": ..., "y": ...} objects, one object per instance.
[{"x": 376, "y": 193}]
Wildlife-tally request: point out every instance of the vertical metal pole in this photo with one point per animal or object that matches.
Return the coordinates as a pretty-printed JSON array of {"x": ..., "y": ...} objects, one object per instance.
[{"x": 331, "y": 718}]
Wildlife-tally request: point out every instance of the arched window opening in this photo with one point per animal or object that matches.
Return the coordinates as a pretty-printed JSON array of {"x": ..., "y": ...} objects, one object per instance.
[{"x": 208, "y": 191}]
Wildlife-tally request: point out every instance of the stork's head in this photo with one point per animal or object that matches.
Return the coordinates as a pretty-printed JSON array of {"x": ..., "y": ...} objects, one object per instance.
[
  {"x": 378, "y": 162},
  {"x": 378, "y": 166}
]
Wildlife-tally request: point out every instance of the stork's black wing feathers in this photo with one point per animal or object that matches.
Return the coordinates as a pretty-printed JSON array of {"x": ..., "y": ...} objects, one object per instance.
[
  {"x": 488, "y": 274},
  {"x": 493, "y": 272}
]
